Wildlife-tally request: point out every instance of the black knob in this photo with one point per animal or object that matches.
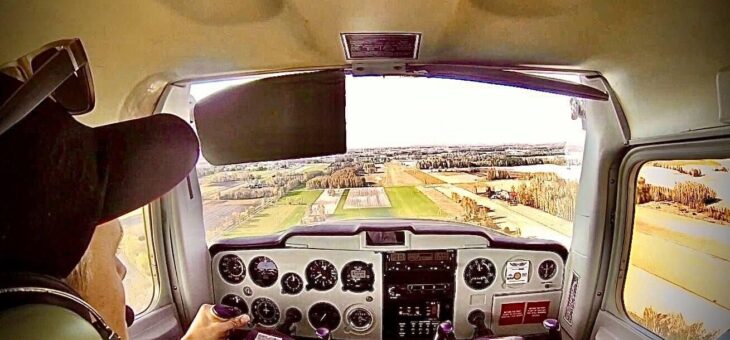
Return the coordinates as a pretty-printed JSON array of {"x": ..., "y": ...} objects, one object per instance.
[
  {"x": 476, "y": 318},
  {"x": 291, "y": 317}
]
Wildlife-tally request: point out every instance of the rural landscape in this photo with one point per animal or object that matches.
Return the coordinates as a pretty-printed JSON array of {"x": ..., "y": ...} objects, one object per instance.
[
  {"x": 512, "y": 189},
  {"x": 681, "y": 248},
  {"x": 680, "y": 244}
]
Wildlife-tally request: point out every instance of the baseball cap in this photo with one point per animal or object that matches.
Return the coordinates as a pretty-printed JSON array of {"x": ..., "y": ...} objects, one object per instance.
[{"x": 59, "y": 179}]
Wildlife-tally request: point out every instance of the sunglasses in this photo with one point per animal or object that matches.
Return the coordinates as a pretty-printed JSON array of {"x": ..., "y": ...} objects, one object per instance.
[{"x": 59, "y": 71}]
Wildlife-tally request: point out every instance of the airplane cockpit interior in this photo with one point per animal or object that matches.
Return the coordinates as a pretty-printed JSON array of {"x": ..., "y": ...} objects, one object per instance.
[{"x": 402, "y": 170}]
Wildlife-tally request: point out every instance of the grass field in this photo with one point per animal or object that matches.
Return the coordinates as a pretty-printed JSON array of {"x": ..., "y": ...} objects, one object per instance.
[
  {"x": 406, "y": 201},
  {"x": 287, "y": 212},
  {"x": 300, "y": 197},
  {"x": 313, "y": 167}
]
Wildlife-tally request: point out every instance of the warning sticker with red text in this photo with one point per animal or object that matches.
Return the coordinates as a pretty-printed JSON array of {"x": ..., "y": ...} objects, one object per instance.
[
  {"x": 512, "y": 313},
  {"x": 537, "y": 311}
]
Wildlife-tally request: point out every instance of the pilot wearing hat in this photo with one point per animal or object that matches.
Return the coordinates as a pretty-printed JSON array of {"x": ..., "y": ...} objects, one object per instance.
[{"x": 62, "y": 187}]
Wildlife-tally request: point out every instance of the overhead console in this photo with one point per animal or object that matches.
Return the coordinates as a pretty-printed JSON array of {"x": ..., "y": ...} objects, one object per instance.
[{"x": 391, "y": 280}]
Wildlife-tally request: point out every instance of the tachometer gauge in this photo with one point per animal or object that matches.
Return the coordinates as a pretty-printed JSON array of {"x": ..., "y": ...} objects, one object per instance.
[
  {"x": 263, "y": 271},
  {"x": 479, "y": 273},
  {"x": 291, "y": 284},
  {"x": 547, "y": 269},
  {"x": 321, "y": 275},
  {"x": 323, "y": 314},
  {"x": 359, "y": 319},
  {"x": 357, "y": 276},
  {"x": 265, "y": 312},
  {"x": 236, "y": 301},
  {"x": 231, "y": 268}
]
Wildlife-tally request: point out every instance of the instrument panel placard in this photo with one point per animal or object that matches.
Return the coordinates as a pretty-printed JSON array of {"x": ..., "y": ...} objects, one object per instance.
[{"x": 518, "y": 272}]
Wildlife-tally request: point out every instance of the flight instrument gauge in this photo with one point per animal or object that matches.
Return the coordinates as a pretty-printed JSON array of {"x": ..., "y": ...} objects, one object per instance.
[
  {"x": 291, "y": 284},
  {"x": 263, "y": 271},
  {"x": 479, "y": 273},
  {"x": 359, "y": 319},
  {"x": 265, "y": 312},
  {"x": 357, "y": 276},
  {"x": 232, "y": 269},
  {"x": 321, "y": 275},
  {"x": 323, "y": 314},
  {"x": 236, "y": 301},
  {"x": 547, "y": 269}
]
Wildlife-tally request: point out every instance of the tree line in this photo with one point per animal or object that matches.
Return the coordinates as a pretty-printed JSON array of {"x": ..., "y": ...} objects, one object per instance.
[
  {"x": 342, "y": 178},
  {"x": 693, "y": 195},
  {"x": 550, "y": 193},
  {"x": 694, "y": 172},
  {"x": 468, "y": 161},
  {"x": 479, "y": 214},
  {"x": 242, "y": 193},
  {"x": 491, "y": 174}
]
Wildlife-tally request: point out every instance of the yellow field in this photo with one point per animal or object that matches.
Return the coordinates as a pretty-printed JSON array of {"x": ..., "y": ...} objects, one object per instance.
[
  {"x": 687, "y": 268},
  {"x": 444, "y": 203},
  {"x": 455, "y": 177},
  {"x": 395, "y": 175},
  {"x": 705, "y": 162}
]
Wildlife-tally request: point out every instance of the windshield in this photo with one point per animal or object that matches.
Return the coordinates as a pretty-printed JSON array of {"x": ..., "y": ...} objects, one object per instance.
[{"x": 502, "y": 158}]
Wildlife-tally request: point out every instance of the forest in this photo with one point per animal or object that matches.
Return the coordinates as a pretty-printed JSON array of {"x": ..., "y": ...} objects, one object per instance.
[
  {"x": 342, "y": 178},
  {"x": 550, "y": 193},
  {"x": 448, "y": 161}
]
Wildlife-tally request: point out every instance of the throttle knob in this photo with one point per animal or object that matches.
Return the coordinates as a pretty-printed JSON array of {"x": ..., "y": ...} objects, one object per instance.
[
  {"x": 323, "y": 333},
  {"x": 445, "y": 331},
  {"x": 552, "y": 326}
]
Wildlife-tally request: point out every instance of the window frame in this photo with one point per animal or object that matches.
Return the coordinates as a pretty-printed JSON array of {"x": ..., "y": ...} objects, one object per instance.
[
  {"x": 712, "y": 148},
  {"x": 149, "y": 218}
]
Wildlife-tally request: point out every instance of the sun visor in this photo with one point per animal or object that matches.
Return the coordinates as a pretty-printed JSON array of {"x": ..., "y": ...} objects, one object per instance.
[{"x": 285, "y": 117}]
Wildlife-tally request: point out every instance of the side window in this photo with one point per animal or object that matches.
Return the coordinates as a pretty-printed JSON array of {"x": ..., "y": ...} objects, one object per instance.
[
  {"x": 135, "y": 252},
  {"x": 676, "y": 282}
]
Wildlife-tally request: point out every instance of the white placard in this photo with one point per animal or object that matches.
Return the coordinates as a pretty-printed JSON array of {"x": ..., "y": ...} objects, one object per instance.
[
  {"x": 262, "y": 336},
  {"x": 517, "y": 272}
]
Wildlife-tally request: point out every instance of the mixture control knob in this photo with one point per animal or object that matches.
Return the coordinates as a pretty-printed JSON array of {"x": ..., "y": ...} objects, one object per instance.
[
  {"x": 323, "y": 333},
  {"x": 552, "y": 326},
  {"x": 226, "y": 312},
  {"x": 476, "y": 318},
  {"x": 445, "y": 331}
]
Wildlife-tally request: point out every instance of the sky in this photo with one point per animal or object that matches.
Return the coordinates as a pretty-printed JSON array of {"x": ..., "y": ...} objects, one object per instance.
[{"x": 411, "y": 111}]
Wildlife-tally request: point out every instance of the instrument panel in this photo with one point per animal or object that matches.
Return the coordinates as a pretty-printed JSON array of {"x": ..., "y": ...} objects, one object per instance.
[{"x": 391, "y": 292}]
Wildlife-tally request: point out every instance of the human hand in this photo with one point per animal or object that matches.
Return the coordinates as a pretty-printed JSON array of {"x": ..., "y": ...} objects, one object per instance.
[{"x": 207, "y": 325}]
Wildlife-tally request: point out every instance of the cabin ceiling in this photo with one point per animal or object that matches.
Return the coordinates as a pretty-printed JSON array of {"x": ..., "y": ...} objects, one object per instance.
[{"x": 660, "y": 56}]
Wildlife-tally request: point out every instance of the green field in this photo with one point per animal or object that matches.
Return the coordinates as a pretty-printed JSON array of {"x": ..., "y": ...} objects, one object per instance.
[
  {"x": 406, "y": 201},
  {"x": 287, "y": 212},
  {"x": 313, "y": 167},
  {"x": 300, "y": 197}
]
